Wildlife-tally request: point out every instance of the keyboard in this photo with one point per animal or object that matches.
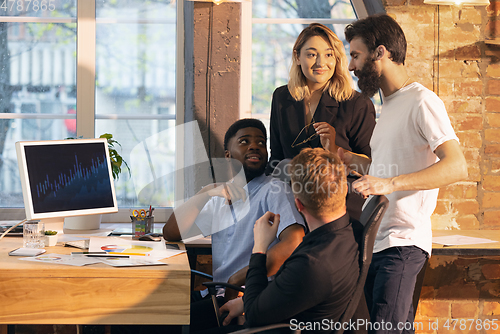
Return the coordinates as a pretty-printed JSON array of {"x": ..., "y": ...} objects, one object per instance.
[{"x": 15, "y": 232}]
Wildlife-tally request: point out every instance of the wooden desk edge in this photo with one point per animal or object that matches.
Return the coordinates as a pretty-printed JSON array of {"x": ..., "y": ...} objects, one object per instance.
[{"x": 489, "y": 249}]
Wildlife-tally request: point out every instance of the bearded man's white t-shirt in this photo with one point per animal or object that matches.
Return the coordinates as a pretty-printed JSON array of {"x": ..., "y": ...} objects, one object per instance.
[{"x": 412, "y": 124}]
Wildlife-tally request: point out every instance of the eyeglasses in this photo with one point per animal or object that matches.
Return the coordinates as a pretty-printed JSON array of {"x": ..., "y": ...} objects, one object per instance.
[{"x": 305, "y": 128}]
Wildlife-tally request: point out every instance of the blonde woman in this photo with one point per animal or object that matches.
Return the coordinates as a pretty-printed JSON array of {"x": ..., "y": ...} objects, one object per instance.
[{"x": 319, "y": 107}]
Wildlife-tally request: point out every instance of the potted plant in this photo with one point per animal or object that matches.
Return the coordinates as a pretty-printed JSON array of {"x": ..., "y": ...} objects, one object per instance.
[
  {"x": 115, "y": 158},
  {"x": 50, "y": 238}
]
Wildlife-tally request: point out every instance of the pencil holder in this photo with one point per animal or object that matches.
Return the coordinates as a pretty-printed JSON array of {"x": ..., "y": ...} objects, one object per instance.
[{"x": 142, "y": 225}]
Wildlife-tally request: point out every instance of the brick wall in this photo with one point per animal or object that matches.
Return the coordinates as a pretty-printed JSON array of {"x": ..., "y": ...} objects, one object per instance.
[
  {"x": 460, "y": 295},
  {"x": 448, "y": 53}
]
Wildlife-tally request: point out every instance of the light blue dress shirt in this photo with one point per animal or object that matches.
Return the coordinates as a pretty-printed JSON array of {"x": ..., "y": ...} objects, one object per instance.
[{"x": 231, "y": 227}]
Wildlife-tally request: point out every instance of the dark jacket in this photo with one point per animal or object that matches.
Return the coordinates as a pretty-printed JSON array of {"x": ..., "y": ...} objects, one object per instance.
[{"x": 314, "y": 283}]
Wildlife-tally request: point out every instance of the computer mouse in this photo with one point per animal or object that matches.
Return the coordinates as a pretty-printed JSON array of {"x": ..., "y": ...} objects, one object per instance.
[{"x": 151, "y": 237}]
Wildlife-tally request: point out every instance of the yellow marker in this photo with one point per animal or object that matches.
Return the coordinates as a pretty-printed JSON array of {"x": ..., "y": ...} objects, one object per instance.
[{"x": 118, "y": 253}]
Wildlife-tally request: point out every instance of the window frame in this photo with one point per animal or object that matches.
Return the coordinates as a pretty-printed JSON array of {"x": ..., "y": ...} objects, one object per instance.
[
  {"x": 247, "y": 20},
  {"x": 86, "y": 21}
]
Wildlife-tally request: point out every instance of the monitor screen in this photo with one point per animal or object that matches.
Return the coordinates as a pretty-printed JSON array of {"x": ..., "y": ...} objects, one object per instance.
[{"x": 63, "y": 178}]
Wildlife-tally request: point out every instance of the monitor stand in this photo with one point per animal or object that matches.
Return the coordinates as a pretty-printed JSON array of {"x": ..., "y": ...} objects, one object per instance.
[
  {"x": 54, "y": 224},
  {"x": 89, "y": 222}
]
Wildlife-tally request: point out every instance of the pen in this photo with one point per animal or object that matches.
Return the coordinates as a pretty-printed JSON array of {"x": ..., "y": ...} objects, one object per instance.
[
  {"x": 85, "y": 253},
  {"x": 102, "y": 255},
  {"x": 128, "y": 254}
]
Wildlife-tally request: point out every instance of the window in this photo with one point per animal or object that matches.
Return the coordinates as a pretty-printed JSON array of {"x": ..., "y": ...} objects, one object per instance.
[
  {"x": 45, "y": 49},
  {"x": 274, "y": 26},
  {"x": 135, "y": 91}
]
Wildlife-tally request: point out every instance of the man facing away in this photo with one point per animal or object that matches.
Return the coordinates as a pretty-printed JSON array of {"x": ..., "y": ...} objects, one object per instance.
[
  {"x": 414, "y": 152},
  {"x": 228, "y": 211},
  {"x": 312, "y": 288}
]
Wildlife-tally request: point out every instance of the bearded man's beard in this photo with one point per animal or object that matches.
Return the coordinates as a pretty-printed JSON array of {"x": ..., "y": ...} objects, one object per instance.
[{"x": 368, "y": 78}]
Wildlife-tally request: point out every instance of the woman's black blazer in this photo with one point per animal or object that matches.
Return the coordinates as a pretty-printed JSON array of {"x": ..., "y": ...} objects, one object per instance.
[{"x": 353, "y": 121}]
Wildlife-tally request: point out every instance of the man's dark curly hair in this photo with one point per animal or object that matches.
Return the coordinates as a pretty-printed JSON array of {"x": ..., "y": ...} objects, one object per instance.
[
  {"x": 379, "y": 30},
  {"x": 242, "y": 124}
]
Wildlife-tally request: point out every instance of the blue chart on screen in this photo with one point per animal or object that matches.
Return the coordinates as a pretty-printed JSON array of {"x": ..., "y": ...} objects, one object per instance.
[{"x": 68, "y": 177}]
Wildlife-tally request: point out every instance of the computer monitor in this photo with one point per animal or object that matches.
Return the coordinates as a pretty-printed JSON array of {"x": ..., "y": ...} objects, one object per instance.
[{"x": 66, "y": 178}]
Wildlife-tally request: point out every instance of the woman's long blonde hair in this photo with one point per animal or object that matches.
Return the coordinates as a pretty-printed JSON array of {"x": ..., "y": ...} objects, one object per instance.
[{"x": 340, "y": 84}]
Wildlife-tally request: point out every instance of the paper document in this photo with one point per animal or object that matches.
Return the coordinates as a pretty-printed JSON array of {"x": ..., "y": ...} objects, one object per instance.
[
  {"x": 117, "y": 262},
  {"x": 62, "y": 259},
  {"x": 135, "y": 249},
  {"x": 198, "y": 240},
  {"x": 27, "y": 252},
  {"x": 456, "y": 240}
]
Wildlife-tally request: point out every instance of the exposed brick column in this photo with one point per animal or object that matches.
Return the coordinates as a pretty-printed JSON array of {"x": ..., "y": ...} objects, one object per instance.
[{"x": 223, "y": 71}]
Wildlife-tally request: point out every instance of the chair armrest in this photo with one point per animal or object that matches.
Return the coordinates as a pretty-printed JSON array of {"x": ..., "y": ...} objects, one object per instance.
[
  {"x": 213, "y": 285},
  {"x": 212, "y": 290}
]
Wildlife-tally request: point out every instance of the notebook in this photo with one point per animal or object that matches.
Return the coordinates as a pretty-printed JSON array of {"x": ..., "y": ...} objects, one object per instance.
[{"x": 82, "y": 244}]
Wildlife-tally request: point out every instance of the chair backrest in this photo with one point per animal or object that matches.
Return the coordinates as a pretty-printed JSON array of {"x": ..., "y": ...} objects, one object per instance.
[
  {"x": 371, "y": 216},
  {"x": 282, "y": 170}
]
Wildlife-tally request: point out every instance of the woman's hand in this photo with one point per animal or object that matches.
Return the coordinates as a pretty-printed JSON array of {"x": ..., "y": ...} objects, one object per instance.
[
  {"x": 327, "y": 135},
  {"x": 235, "y": 309}
]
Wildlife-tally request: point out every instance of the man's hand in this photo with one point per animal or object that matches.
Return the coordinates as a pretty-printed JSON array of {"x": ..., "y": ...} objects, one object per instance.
[
  {"x": 370, "y": 185},
  {"x": 327, "y": 135},
  {"x": 358, "y": 164},
  {"x": 235, "y": 309},
  {"x": 230, "y": 191},
  {"x": 264, "y": 232},
  {"x": 345, "y": 156},
  {"x": 451, "y": 167}
]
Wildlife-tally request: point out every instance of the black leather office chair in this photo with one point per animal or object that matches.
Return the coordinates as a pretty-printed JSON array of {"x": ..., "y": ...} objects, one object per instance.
[
  {"x": 371, "y": 217},
  {"x": 282, "y": 170}
]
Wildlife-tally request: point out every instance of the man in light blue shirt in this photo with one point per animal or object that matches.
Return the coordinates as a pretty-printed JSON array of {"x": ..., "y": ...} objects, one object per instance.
[
  {"x": 228, "y": 211},
  {"x": 232, "y": 246}
]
